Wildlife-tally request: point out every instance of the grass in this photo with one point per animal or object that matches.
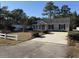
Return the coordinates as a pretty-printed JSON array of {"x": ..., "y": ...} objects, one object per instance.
[
  {"x": 73, "y": 38},
  {"x": 73, "y": 42},
  {"x": 74, "y": 35},
  {"x": 22, "y": 36}
]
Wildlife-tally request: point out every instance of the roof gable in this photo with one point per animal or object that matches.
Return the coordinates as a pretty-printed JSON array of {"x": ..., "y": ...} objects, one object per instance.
[{"x": 41, "y": 22}]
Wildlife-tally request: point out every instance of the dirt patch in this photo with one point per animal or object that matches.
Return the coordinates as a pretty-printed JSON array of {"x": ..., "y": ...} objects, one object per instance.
[{"x": 73, "y": 48}]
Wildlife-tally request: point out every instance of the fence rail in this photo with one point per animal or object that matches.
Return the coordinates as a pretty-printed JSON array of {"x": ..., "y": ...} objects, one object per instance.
[{"x": 8, "y": 36}]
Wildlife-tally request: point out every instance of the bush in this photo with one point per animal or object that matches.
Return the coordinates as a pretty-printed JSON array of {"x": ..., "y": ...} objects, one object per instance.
[
  {"x": 46, "y": 32},
  {"x": 74, "y": 35},
  {"x": 1, "y": 27},
  {"x": 36, "y": 35},
  {"x": 10, "y": 28}
]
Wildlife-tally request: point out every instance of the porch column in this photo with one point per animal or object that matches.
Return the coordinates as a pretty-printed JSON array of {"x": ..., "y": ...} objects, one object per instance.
[
  {"x": 40, "y": 27},
  {"x": 37, "y": 27},
  {"x": 33, "y": 27},
  {"x": 45, "y": 27}
]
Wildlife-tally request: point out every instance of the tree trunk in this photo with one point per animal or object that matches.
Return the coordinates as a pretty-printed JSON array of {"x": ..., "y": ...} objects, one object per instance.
[{"x": 50, "y": 16}]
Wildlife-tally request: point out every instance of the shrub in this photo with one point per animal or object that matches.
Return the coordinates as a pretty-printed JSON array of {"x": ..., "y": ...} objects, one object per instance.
[
  {"x": 1, "y": 27},
  {"x": 46, "y": 32},
  {"x": 36, "y": 35},
  {"x": 74, "y": 35},
  {"x": 10, "y": 28}
]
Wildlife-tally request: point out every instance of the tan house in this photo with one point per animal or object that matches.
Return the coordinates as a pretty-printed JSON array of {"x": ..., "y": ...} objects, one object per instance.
[{"x": 57, "y": 24}]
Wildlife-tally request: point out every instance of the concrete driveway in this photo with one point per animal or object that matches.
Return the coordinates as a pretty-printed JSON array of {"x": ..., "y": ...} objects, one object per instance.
[
  {"x": 50, "y": 46},
  {"x": 54, "y": 37}
]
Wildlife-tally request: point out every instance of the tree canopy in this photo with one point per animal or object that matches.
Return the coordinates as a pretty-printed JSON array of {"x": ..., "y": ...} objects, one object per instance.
[{"x": 15, "y": 16}]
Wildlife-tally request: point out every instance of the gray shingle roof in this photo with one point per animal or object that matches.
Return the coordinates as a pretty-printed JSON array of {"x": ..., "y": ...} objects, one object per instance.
[{"x": 56, "y": 20}]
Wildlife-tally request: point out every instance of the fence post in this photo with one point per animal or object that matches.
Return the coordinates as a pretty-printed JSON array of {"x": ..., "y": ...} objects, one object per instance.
[
  {"x": 5, "y": 36},
  {"x": 16, "y": 37},
  {"x": 8, "y": 36}
]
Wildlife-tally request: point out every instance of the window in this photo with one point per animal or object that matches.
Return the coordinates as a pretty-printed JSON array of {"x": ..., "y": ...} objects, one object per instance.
[
  {"x": 51, "y": 26},
  {"x": 43, "y": 27},
  {"x": 39, "y": 26},
  {"x": 61, "y": 26},
  {"x": 33, "y": 26},
  {"x": 36, "y": 26}
]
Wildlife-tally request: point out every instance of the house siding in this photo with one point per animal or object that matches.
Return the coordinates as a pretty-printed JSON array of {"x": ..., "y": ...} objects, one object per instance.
[{"x": 55, "y": 23}]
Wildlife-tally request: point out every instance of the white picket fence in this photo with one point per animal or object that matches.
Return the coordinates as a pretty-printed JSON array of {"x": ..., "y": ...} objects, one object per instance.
[{"x": 8, "y": 36}]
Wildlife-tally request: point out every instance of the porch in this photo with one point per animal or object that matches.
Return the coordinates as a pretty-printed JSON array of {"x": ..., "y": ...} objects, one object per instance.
[
  {"x": 39, "y": 27},
  {"x": 43, "y": 27},
  {"x": 49, "y": 27}
]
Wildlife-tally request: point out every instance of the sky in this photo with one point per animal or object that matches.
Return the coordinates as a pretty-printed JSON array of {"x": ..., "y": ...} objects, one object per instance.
[{"x": 35, "y": 8}]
